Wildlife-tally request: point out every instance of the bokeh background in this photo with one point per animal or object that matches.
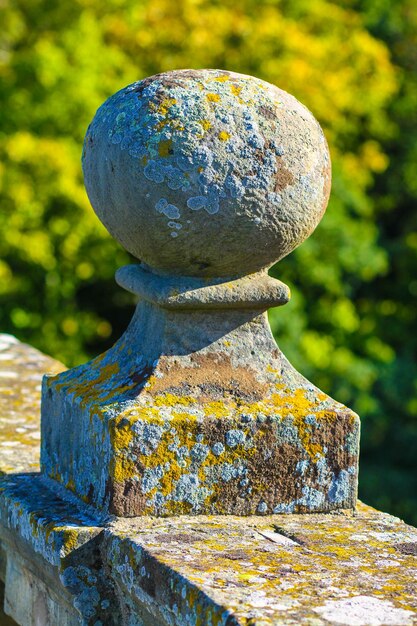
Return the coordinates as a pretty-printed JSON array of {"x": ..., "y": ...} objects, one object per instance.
[{"x": 351, "y": 325}]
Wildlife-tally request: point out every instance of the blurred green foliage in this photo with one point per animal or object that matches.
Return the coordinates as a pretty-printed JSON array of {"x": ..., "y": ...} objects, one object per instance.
[{"x": 350, "y": 327}]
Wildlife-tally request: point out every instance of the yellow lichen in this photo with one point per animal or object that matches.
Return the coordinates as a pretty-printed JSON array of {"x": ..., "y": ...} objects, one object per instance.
[
  {"x": 120, "y": 434},
  {"x": 70, "y": 485},
  {"x": 163, "y": 107},
  {"x": 235, "y": 89},
  {"x": 102, "y": 385},
  {"x": 224, "y": 136},
  {"x": 165, "y": 147},
  {"x": 168, "y": 399},
  {"x": 70, "y": 539},
  {"x": 213, "y": 97},
  {"x": 206, "y": 124},
  {"x": 296, "y": 405},
  {"x": 218, "y": 408},
  {"x": 173, "y": 123},
  {"x": 132, "y": 558},
  {"x": 122, "y": 468}
]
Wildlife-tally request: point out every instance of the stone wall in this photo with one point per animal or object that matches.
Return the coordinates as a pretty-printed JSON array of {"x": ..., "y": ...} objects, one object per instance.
[{"x": 65, "y": 565}]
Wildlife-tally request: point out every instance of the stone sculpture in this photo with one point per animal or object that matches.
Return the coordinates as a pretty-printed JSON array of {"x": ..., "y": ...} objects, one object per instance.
[{"x": 208, "y": 178}]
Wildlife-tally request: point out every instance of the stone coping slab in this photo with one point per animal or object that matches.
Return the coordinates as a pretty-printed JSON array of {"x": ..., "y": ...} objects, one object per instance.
[
  {"x": 21, "y": 370},
  {"x": 357, "y": 568},
  {"x": 345, "y": 568},
  {"x": 351, "y": 568}
]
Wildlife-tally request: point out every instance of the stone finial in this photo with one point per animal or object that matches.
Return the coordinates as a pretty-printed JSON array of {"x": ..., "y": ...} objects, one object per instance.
[
  {"x": 207, "y": 177},
  {"x": 206, "y": 173}
]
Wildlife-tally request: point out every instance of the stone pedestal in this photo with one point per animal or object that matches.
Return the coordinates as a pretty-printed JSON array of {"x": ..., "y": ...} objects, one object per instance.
[
  {"x": 208, "y": 178},
  {"x": 196, "y": 410}
]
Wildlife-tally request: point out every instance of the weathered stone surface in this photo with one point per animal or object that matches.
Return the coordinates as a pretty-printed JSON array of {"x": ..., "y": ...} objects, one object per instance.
[
  {"x": 354, "y": 568},
  {"x": 255, "y": 291},
  {"x": 198, "y": 413},
  {"x": 48, "y": 539},
  {"x": 21, "y": 371},
  {"x": 31, "y": 600},
  {"x": 5, "y": 620},
  {"x": 341, "y": 568},
  {"x": 205, "y": 176},
  {"x": 317, "y": 569},
  {"x": 194, "y": 170}
]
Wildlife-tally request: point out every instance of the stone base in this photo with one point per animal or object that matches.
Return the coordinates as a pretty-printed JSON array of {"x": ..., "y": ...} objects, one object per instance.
[
  {"x": 180, "y": 459},
  {"x": 230, "y": 428}
]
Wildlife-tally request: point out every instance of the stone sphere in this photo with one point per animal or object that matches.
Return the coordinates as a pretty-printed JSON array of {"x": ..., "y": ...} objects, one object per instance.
[{"x": 206, "y": 172}]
